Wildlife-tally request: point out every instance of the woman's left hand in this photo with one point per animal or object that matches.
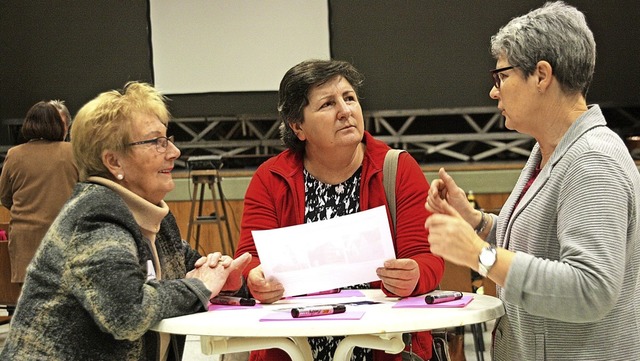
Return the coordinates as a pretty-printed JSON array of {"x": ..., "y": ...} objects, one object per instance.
[{"x": 399, "y": 276}]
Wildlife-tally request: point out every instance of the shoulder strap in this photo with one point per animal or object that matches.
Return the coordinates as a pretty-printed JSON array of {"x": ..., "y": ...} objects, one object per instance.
[{"x": 389, "y": 170}]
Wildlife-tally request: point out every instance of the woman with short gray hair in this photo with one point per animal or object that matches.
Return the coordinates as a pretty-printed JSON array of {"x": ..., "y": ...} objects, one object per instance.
[{"x": 565, "y": 249}]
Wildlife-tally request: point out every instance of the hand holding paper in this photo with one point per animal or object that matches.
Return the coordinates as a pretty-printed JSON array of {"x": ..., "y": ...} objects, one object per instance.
[
  {"x": 266, "y": 291},
  {"x": 307, "y": 258}
]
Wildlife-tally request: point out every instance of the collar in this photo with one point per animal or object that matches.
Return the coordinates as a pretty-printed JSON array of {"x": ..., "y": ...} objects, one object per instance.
[{"x": 147, "y": 215}]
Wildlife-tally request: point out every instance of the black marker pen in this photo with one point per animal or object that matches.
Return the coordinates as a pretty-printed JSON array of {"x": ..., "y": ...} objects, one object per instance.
[
  {"x": 443, "y": 297},
  {"x": 311, "y": 311},
  {"x": 233, "y": 301}
]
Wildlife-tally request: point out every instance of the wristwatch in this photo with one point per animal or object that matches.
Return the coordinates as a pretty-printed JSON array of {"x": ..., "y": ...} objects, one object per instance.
[{"x": 487, "y": 259}]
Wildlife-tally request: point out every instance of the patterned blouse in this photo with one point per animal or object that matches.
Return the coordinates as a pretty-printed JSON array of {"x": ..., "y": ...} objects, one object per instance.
[{"x": 322, "y": 202}]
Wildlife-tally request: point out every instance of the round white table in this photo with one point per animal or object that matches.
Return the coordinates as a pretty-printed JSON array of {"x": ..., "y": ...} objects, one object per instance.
[{"x": 381, "y": 327}]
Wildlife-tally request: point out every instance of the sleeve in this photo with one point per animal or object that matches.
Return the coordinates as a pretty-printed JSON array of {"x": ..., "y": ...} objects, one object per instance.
[
  {"x": 171, "y": 243},
  {"x": 190, "y": 255},
  {"x": 112, "y": 287},
  {"x": 412, "y": 237},
  {"x": 259, "y": 213},
  {"x": 584, "y": 284}
]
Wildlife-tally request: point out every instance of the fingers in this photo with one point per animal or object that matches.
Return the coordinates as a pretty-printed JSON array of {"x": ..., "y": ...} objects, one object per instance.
[
  {"x": 438, "y": 189},
  {"x": 211, "y": 259},
  {"x": 214, "y": 259},
  {"x": 200, "y": 262},
  {"x": 400, "y": 264},
  {"x": 235, "y": 267},
  {"x": 263, "y": 290},
  {"x": 449, "y": 210},
  {"x": 435, "y": 197},
  {"x": 240, "y": 263},
  {"x": 399, "y": 276},
  {"x": 213, "y": 278},
  {"x": 438, "y": 192},
  {"x": 438, "y": 220},
  {"x": 447, "y": 179},
  {"x": 268, "y": 296}
]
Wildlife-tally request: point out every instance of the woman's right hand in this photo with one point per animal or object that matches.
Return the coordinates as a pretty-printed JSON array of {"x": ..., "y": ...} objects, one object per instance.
[
  {"x": 445, "y": 190},
  {"x": 263, "y": 290}
]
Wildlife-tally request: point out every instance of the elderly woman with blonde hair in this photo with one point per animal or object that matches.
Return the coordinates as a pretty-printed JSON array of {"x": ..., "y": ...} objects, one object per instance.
[{"x": 113, "y": 263}]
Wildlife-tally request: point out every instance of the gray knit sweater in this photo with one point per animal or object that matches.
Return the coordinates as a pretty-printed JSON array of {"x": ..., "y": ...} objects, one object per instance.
[
  {"x": 571, "y": 292},
  {"x": 87, "y": 295}
]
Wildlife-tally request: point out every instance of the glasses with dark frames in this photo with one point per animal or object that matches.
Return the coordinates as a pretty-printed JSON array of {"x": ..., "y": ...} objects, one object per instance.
[
  {"x": 161, "y": 143},
  {"x": 495, "y": 73}
]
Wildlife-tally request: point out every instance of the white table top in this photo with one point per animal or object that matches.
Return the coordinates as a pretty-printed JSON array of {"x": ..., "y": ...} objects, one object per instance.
[{"x": 378, "y": 319}]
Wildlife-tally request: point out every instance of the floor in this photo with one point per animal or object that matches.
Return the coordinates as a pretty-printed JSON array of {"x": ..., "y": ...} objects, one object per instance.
[{"x": 192, "y": 347}]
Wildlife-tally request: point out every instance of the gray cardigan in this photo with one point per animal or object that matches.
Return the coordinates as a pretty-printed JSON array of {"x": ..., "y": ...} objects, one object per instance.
[
  {"x": 87, "y": 295},
  {"x": 570, "y": 293}
]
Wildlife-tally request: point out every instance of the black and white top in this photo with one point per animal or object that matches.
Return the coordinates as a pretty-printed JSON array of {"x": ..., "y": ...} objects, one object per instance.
[{"x": 322, "y": 202}]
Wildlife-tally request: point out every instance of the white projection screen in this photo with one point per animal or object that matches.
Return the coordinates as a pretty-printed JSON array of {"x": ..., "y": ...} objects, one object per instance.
[{"x": 202, "y": 46}]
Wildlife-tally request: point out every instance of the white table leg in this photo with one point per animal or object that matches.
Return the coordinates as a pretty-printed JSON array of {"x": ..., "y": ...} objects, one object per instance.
[
  {"x": 298, "y": 348},
  {"x": 390, "y": 343},
  {"x": 305, "y": 348}
]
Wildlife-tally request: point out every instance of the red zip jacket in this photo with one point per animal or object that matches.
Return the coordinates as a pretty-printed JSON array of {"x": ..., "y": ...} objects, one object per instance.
[{"x": 275, "y": 198}]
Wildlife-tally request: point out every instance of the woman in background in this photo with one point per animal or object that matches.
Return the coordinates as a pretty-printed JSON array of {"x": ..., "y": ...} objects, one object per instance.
[
  {"x": 37, "y": 178},
  {"x": 65, "y": 114}
]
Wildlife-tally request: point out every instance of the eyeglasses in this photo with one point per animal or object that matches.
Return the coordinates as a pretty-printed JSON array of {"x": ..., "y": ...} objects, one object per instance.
[
  {"x": 161, "y": 143},
  {"x": 495, "y": 73}
]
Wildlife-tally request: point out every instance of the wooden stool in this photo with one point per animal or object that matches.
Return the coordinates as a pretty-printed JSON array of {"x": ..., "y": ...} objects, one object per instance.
[{"x": 200, "y": 179}]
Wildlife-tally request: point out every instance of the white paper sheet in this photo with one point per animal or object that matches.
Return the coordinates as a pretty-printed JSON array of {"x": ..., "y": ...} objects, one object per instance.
[{"x": 329, "y": 254}]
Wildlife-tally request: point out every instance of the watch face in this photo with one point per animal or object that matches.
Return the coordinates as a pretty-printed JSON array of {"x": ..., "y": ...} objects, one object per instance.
[{"x": 488, "y": 256}]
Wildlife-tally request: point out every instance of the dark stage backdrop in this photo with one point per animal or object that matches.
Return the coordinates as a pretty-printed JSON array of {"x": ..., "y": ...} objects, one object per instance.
[{"x": 415, "y": 54}]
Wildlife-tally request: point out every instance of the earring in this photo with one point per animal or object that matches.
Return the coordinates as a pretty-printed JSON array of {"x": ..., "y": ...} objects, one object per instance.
[{"x": 120, "y": 177}]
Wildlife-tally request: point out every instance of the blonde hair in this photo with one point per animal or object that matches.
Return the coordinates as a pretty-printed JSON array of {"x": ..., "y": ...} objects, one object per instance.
[{"x": 105, "y": 123}]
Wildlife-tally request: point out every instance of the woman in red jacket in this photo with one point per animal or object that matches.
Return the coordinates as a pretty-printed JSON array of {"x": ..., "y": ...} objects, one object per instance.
[{"x": 332, "y": 168}]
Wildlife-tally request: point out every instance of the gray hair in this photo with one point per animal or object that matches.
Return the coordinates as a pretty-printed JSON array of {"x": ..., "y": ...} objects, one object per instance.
[
  {"x": 294, "y": 92},
  {"x": 62, "y": 108},
  {"x": 557, "y": 33}
]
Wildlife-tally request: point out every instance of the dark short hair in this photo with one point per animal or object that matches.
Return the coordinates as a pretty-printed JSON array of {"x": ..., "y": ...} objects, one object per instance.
[
  {"x": 43, "y": 121},
  {"x": 294, "y": 91}
]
